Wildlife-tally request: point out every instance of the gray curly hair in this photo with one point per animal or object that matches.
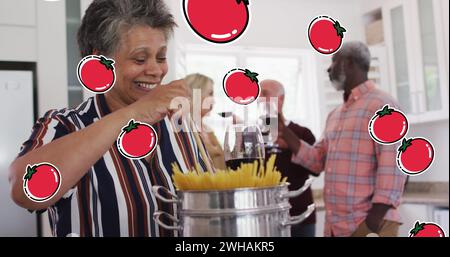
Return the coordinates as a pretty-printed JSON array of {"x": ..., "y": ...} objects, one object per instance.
[
  {"x": 358, "y": 52},
  {"x": 105, "y": 20}
]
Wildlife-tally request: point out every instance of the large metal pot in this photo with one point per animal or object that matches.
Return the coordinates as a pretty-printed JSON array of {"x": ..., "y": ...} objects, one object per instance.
[{"x": 259, "y": 212}]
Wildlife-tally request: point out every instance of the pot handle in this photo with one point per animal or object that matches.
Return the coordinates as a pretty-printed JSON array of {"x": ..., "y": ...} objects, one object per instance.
[
  {"x": 297, "y": 192},
  {"x": 297, "y": 219},
  {"x": 158, "y": 214},
  {"x": 155, "y": 190}
]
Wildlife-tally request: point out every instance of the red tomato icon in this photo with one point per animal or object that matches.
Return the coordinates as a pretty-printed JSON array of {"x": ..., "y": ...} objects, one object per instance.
[
  {"x": 388, "y": 125},
  {"x": 217, "y": 21},
  {"x": 415, "y": 155},
  {"x": 241, "y": 86},
  {"x": 96, "y": 73},
  {"x": 137, "y": 140},
  {"x": 41, "y": 181},
  {"x": 426, "y": 230},
  {"x": 325, "y": 34}
]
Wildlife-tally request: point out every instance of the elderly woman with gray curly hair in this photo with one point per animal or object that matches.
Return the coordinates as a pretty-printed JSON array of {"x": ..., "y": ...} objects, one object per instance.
[{"x": 102, "y": 192}]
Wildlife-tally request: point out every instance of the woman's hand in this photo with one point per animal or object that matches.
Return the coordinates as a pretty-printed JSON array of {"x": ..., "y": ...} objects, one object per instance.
[{"x": 161, "y": 101}]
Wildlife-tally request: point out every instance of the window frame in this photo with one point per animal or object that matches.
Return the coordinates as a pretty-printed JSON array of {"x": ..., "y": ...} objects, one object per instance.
[{"x": 306, "y": 74}]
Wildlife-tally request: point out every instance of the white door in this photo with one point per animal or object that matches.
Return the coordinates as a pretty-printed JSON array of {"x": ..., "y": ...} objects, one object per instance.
[{"x": 16, "y": 114}]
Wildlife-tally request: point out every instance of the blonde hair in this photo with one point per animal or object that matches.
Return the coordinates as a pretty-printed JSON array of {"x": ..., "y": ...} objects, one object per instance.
[{"x": 197, "y": 81}]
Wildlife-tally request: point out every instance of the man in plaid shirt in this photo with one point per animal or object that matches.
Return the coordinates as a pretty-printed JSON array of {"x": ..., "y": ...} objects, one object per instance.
[{"x": 363, "y": 186}]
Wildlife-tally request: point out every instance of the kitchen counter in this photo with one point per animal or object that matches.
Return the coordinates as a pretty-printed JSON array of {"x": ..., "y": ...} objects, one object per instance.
[{"x": 431, "y": 193}]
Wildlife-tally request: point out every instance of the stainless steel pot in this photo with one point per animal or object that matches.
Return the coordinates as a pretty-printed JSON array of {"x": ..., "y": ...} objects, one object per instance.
[{"x": 258, "y": 212}]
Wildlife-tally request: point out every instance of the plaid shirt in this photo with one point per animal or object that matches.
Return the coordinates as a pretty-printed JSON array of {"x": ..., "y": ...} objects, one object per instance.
[{"x": 358, "y": 170}]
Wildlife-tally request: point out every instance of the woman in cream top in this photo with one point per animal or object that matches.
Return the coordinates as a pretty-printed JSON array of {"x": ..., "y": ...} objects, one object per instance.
[{"x": 202, "y": 104}]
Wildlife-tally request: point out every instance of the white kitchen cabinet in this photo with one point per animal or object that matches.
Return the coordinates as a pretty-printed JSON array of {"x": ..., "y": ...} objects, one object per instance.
[
  {"x": 18, "y": 43},
  {"x": 18, "y": 30},
  {"x": 414, "y": 35},
  {"x": 52, "y": 55},
  {"x": 18, "y": 13},
  {"x": 440, "y": 216},
  {"x": 412, "y": 212}
]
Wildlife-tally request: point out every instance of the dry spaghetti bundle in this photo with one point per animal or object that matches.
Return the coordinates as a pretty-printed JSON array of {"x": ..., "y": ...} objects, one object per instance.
[{"x": 247, "y": 175}]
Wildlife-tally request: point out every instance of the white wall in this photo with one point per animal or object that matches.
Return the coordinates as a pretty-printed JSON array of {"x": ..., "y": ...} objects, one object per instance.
[
  {"x": 283, "y": 23},
  {"x": 278, "y": 24}
]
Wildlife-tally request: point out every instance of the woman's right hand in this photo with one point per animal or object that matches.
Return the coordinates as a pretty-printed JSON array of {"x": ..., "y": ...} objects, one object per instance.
[{"x": 158, "y": 103}]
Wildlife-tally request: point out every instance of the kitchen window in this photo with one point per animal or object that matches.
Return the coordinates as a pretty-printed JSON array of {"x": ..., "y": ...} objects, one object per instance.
[{"x": 294, "y": 68}]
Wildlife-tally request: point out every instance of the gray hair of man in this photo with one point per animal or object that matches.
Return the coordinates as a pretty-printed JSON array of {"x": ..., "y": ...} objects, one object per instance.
[
  {"x": 275, "y": 86},
  {"x": 358, "y": 52},
  {"x": 105, "y": 21}
]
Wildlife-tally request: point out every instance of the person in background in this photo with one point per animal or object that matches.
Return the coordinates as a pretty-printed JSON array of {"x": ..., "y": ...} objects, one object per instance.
[
  {"x": 102, "y": 192},
  {"x": 205, "y": 86},
  {"x": 363, "y": 186},
  {"x": 296, "y": 174}
]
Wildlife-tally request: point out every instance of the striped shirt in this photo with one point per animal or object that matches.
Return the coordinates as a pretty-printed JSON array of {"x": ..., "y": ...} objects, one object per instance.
[
  {"x": 358, "y": 170},
  {"x": 114, "y": 198}
]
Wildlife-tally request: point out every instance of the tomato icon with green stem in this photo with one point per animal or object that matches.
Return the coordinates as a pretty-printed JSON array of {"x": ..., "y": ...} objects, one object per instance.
[
  {"x": 137, "y": 140},
  {"x": 415, "y": 155},
  {"x": 241, "y": 86},
  {"x": 96, "y": 73},
  {"x": 426, "y": 229},
  {"x": 217, "y": 21},
  {"x": 325, "y": 34},
  {"x": 41, "y": 181},
  {"x": 388, "y": 125}
]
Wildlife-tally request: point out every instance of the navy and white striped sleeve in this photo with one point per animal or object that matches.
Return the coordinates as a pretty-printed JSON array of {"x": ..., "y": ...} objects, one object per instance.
[{"x": 49, "y": 127}]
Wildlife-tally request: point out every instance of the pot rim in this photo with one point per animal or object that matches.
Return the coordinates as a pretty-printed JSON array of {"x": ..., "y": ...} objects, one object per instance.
[{"x": 285, "y": 184}]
